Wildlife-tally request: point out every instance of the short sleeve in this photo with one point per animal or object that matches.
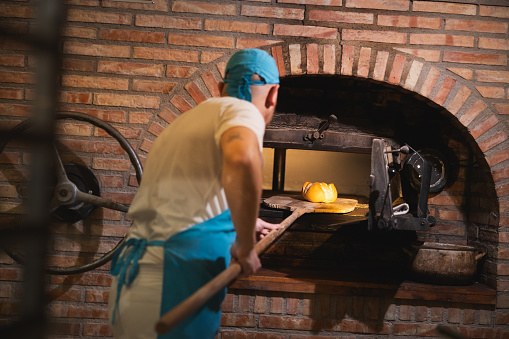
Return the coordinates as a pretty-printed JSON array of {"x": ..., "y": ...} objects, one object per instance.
[{"x": 237, "y": 113}]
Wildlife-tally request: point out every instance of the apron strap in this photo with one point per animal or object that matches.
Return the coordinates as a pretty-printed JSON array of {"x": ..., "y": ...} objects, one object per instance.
[{"x": 128, "y": 255}]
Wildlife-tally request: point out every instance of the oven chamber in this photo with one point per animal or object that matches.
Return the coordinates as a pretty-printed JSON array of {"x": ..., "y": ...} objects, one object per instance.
[{"x": 361, "y": 123}]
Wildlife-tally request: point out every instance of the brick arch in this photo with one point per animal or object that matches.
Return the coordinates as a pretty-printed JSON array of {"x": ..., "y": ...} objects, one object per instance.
[{"x": 442, "y": 87}]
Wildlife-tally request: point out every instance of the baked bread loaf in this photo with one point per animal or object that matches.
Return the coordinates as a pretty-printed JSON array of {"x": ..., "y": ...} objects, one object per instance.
[{"x": 319, "y": 192}]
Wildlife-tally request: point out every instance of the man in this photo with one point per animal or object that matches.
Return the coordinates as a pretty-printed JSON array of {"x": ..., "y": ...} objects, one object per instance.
[{"x": 200, "y": 192}]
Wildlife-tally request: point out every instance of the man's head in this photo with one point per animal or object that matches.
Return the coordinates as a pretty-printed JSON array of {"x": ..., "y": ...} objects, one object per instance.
[
  {"x": 243, "y": 65},
  {"x": 252, "y": 75}
]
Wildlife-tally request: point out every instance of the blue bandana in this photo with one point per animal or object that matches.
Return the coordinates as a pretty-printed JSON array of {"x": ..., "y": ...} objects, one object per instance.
[{"x": 243, "y": 65}]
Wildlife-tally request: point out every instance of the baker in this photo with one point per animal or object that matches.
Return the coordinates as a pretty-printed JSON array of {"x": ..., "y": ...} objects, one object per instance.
[{"x": 197, "y": 205}]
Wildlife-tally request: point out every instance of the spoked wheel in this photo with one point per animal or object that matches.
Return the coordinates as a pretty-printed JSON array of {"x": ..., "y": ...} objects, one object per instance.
[{"x": 74, "y": 195}]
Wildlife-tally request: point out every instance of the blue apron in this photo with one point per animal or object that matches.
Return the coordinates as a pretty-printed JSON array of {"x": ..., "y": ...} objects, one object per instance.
[{"x": 191, "y": 259}]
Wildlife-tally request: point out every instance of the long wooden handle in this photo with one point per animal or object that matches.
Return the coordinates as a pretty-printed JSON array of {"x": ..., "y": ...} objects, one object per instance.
[{"x": 207, "y": 291}]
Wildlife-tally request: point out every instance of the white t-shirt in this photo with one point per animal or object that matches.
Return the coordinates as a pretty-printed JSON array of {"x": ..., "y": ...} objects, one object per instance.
[{"x": 181, "y": 184}]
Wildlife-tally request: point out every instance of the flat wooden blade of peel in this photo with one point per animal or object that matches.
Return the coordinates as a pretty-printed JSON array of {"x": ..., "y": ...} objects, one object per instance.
[{"x": 207, "y": 291}]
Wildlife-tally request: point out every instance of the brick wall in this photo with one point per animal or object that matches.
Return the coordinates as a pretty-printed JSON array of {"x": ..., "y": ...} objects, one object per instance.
[{"x": 139, "y": 66}]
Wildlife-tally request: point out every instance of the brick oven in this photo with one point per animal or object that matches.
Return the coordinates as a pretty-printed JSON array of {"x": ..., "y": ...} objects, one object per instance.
[{"x": 430, "y": 74}]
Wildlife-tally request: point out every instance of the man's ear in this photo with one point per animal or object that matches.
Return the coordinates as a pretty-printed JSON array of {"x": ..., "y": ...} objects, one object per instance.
[{"x": 271, "y": 99}]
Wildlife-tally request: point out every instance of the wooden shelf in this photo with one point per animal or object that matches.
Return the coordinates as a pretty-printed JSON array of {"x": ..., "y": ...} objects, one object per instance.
[{"x": 323, "y": 282}]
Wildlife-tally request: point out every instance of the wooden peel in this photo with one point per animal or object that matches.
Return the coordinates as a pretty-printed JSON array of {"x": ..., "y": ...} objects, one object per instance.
[{"x": 207, "y": 291}]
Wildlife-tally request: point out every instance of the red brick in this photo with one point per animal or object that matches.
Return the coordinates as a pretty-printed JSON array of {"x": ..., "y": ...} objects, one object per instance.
[
  {"x": 409, "y": 21},
  {"x": 273, "y": 12},
  {"x": 491, "y": 43},
  {"x": 94, "y": 82},
  {"x": 276, "y": 305},
  {"x": 492, "y": 76},
  {"x": 394, "y": 5},
  {"x": 164, "y": 21},
  {"x": 111, "y": 164},
  {"x": 80, "y": 32},
  {"x": 124, "y": 100},
  {"x": 227, "y": 304},
  {"x": 260, "y": 304},
  {"x": 139, "y": 118},
  {"x": 130, "y": 35},
  {"x": 397, "y": 69},
  {"x": 71, "y": 47},
  {"x": 437, "y": 314},
  {"x": 130, "y": 68},
  {"x": 155, "y": 129},
  {"x": 491, "y": 92},
  {"x": 243, "y": 43},
  {"x": 451, "y": 215},
  {"x": 180, "y": 71},
  {"x": 164, "y": 54},
  {"x": 355, "y": 326},
  {"x": 472, "y": 112},
  {"x": 127, "y": 132},
  {"x": 110, "y": 180},
  {"x": 476, "y": 26},
  {"x": 59, "y": 328},
  {"x": 75, "y": 97},
  {"x": 414, "y": 330},
  {"x": 203, "y": 8},
  {"x": 497, "y": 157},
  {"x": 236, "y": 26},
  {"x": 146, "y": 145},
  {"x": 312, "y": 58},
  {"x": 153, "y": 86},
  {"x": 155, "y": 5},
  {"x": 106, "y": 115},
  {"x": 459, "y": 99},
  {"x": 290, "y": 323},
  {"x": 344, "y": 17},
  {"x": 99, "y": 17},
  {"x": 374, "y": 36},
  {"x": 167, "y": 115},
  {"x": 180, "y": 103},
  {"x": 207, "y": 57},
  {"x": 502, "y": 108},
  {"x": 7, "y": 44},
  {"x": 71, "y": 311},
  {"x": 465, "y": 73},
  {"x": 15, "y": 27},
  {"x": 483, "y": 126},
  {"x": 91, "y": 3},
  {"x": 474, "y": 58},
  {"x": 195, "y": 92},
  {"x": 211, "y": 83},
  {"x": 421, "y": 313},
  {"x": 347, "y": 60},
  {"x": 500, "y": 174},
  {"x": 314, "y": 2},
  {"x": 444, "y": 90},
  {"x": 292, "y": 305},
  {"x": 494, "y": 11},
  {"x": 63, "y": 128},
  {"x": 11, "y": 93},
  {"x": 441, "y": 7},
  {"x": 493, "y": 141},
  {"x": 380, "y": 65},
  {"x": 97, "y": 330},
  {"x": 430, "y": 82},
  {"x": 17, "y": 77},
  {"x": 329, "y": 59},
  {"x": 426, "y": 54},
  {"x": 16, "y": 11},
  {"x": 244, "y": 303},
  {"x": 305, "y": 31},
  {"x": 12, "y": 60},
  {"x": 441, "y": 39},
  {"x": 100, "y": 147},
  {"x": 237, "y": 320},
  {"x": 78, "y": 65}
]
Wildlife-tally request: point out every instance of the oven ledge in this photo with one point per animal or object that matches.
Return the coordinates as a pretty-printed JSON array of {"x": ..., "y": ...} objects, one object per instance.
[{"x": 313, "y": 282}]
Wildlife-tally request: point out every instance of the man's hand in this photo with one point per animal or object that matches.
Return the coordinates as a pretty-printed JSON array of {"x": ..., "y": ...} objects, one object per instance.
[
  {"x": 263, "y": 228},
  {"x": 248, "y": 260}
]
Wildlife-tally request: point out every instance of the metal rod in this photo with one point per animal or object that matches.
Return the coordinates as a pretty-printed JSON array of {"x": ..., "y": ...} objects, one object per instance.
[{"x": 278, "y": 172}]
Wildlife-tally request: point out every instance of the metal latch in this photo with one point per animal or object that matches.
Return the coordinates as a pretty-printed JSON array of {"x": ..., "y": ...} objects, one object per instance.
[{"x": 321, "y": 128}]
